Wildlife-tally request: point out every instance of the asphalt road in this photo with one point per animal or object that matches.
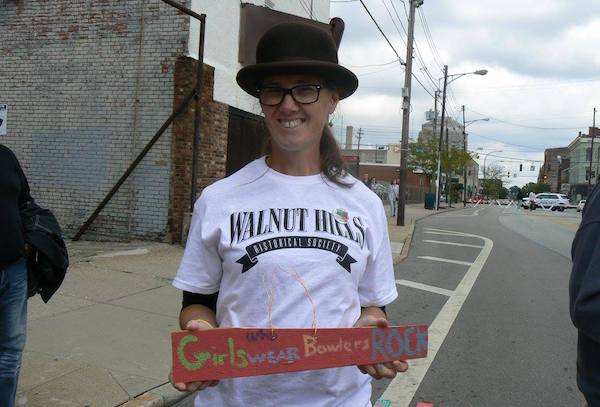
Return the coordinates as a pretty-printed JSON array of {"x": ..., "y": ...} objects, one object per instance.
[{"x": 493, "y": 284}]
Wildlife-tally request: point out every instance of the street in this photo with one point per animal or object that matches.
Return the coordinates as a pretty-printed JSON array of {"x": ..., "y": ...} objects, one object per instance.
[{"x": 493, "y": 286}]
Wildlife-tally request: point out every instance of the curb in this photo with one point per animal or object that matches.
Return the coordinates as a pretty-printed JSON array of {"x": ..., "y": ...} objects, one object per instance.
[
  {"x": 406, "y": 247},
  {"x": 163, "y": 396},
  {"x": 399, "y": 258}
]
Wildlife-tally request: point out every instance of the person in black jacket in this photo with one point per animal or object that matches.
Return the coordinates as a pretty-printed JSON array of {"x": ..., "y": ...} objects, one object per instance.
[
  {"x": 14, "y": 192},
  {"x": 584, "y": 293}
]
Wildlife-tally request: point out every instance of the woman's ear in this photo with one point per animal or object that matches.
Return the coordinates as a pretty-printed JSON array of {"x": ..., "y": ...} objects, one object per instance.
[{"x": 333, "y": 101}]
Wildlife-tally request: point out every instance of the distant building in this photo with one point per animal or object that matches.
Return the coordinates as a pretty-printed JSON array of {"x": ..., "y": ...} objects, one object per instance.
[
  {"x": 455, "y": 131},
  {"x": 472, "y": 183},
  {"x": 417, "y": 183},
  {"x": 369, "y": 154},
  {"x": 579, "y": 171},
  {"x": 556, "y": 164}
]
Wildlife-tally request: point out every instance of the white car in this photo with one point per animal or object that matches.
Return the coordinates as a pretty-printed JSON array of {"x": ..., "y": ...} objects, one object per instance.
[
  {"x": 551, "y": 201},
  {"x": 580, "y": 205}
]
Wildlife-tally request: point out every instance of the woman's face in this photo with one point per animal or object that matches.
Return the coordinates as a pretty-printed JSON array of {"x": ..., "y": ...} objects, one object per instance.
[{"x": 293, "y": 126}]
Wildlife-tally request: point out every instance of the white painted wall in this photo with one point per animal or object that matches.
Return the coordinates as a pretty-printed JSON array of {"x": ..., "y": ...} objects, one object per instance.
[{"x": 221, "y": 41}]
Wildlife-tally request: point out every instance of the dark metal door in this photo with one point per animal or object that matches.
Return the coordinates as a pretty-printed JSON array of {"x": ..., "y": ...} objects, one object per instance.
[{"x": 245, "y": 139}]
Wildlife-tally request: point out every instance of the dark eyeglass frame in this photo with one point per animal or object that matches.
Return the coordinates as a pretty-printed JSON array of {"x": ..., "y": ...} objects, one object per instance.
[{"x": 290, "y": 91}]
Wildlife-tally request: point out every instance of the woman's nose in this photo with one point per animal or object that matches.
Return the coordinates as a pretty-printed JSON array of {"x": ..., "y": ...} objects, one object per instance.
[{"x": 288, "y": 103}]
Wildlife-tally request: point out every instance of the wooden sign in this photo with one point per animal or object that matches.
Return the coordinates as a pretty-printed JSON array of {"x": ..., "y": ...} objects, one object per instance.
[{"x": 237, "y": 352}]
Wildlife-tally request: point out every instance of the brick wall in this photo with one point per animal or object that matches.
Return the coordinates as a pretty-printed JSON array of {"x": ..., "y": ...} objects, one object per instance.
[
  {"x": 212, "y": 152},
  {"x": 87, "y": 84}
]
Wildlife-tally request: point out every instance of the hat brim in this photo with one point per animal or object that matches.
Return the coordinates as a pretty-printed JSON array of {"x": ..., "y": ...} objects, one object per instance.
[{"x": 250, "y": 78}]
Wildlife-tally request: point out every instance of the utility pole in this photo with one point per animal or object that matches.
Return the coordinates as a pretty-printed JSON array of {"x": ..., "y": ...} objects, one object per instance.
[
  {"x": 591, "y": 154},
  {"x": 448, "y": 198},
  {"x": 406, "y": 112},
  {"x": 435, "y": 115},
  {"x": 465, "y": 151},
  {"x": 439, "y": 171},
  {"x": 435, "y": 111},
  {"x": 358, "y": 158}
]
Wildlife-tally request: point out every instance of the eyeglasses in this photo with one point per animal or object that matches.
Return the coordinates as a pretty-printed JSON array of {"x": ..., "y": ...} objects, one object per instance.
[{"x": 302, "y": 94}]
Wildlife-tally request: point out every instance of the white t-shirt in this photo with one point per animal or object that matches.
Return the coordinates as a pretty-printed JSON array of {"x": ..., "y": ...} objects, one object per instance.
[{"x": 274, "y": 245}]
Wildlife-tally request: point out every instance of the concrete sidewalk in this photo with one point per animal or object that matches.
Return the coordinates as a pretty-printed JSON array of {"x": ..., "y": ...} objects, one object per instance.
[{"x": 103, "y": 339}]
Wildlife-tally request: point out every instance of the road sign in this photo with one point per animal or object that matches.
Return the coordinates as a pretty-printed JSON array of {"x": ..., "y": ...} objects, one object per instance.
[{"x": 3, "y": 114}]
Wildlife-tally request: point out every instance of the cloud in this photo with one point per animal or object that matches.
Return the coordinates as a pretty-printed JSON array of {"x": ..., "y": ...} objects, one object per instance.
[{"x": 542, "y": 62}]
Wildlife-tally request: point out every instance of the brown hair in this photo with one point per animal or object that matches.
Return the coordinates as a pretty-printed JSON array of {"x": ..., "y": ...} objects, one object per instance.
[{"x": 332, "y": 164}]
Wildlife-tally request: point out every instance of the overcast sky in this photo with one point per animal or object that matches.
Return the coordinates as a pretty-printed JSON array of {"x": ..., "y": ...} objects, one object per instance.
[{"x": 542, "y": 56}]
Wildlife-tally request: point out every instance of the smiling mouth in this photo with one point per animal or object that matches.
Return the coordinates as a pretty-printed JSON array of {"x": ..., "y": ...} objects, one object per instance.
[{"x": 291, "y": 124}]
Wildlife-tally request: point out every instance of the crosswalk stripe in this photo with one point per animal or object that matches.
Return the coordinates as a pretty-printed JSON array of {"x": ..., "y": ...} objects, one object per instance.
[
  {"x": 425, "y": 287},
  {"x": 454, "y": 244},
  {"x": 441, "y": 259}
]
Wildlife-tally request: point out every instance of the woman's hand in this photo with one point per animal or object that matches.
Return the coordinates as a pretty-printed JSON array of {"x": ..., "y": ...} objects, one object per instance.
[
  {"x": 380, "y": 370},
  {"x": 194, "y": 325}
]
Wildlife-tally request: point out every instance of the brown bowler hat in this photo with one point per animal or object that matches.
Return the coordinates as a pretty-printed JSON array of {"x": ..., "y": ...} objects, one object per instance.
[{"x": 297, "y": 48}]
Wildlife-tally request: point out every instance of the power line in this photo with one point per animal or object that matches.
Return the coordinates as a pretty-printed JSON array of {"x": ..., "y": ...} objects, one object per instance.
[
  {"x": 419, "y": 58},
  {"x": 381, "y": 31},
  {"x": 391, "y": 46},
  {"x": 527, "y": 126},
  {"x": 394, "y": 22},
  {"x": 515, "y": 159},
  {"x": 504, "y": 142},
  {"x": 423, "y": 86},
  {"x": 429, "y": 37},
  {"x": 371, "y": 65},
  {"x": 377, "y": 71}
]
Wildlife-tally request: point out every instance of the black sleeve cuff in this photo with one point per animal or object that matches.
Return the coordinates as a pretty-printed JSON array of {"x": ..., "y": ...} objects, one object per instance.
[{"x": 208, "y": 300}]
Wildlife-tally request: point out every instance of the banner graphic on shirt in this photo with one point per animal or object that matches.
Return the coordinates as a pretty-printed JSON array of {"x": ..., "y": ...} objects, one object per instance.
[{"x": 295, "y": 242}]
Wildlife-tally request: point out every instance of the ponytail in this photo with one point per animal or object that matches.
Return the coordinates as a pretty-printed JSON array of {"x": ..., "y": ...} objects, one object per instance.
[{"x": 332, "y": 164}]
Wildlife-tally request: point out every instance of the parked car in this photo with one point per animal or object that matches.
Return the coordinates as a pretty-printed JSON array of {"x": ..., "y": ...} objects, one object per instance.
[
  {"x": 580, "y": 205},
  {"x": 551, "y": 200},
  {"x": 525, "y": 203}
]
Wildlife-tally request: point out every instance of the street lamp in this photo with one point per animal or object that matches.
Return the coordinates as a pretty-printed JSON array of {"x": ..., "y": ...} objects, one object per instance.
[
  {"x": 446, "y": 83},
  {"x": 465, "y": 124},
  {"x": 468, "y": 122},
  {"x": 485, "y": 158},
  {"x": 559, "y": 182}
]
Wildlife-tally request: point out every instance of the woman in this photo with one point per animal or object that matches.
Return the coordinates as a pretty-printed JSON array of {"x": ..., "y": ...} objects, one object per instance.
[{"x": 298, "y": 190}]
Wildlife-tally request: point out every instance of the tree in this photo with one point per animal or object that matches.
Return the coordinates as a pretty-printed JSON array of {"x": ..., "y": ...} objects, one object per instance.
[
  {"x": 503, "y": 193},
  {"x": 492, "y": 184},
  {"x": 516, "y": 193},
  {"x": 537, "y": 188},
  {"x": 424, "y": 156}
]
